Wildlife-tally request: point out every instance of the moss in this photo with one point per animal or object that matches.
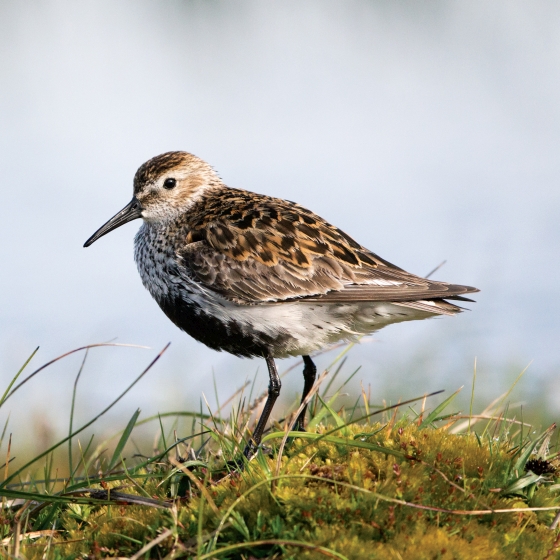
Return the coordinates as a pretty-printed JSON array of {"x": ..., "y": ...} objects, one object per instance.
[{"x": 335, "y": 496}]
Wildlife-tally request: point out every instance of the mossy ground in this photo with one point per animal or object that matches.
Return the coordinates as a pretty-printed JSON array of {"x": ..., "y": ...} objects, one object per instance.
[
  {"x": 331, "y": 495},
  {"x": 423, "y": 486}
]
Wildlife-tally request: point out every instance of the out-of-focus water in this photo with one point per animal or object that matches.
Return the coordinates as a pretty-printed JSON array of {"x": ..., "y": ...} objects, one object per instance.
[{"x": 427, "y": 131}]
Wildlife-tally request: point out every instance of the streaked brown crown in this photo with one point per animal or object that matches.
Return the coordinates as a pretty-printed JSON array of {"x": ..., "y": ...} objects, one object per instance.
[{"x": 155, "y": 167}]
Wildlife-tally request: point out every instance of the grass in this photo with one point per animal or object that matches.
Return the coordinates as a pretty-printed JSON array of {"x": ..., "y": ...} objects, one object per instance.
[{"x": 414, "y": 480}]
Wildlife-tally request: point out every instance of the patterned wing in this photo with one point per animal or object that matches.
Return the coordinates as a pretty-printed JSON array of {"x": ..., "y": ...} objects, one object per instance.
[{"x": 251, "y": 249}]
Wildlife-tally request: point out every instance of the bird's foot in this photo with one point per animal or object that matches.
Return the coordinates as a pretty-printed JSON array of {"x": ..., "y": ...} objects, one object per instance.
[
  {"x": 238, "y": 464},
  {"x": 251, "y": 450},
  {"x": 297, "y": 428}
]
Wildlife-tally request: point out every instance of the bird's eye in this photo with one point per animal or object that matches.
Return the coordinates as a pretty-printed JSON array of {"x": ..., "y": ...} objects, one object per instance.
[{"x": 169, "y": 183}]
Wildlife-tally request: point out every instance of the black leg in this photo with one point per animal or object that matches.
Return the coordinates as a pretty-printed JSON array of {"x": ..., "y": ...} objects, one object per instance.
[
  {"x": 273, "y": 392},
  {"x": 309, "y": 375}
]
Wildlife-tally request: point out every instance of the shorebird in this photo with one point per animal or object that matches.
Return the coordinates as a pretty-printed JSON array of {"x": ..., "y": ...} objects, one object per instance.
[{"x": 260, "y": 276}]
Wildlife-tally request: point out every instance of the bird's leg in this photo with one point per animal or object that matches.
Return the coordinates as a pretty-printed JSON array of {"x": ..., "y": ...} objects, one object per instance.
[
  {"x": 273, "y": 392},
  {"x": 309, "y": 375}
]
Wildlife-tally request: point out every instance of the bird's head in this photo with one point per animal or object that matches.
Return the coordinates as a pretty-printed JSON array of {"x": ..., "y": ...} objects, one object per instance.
[{"x": 164, "y": 187}]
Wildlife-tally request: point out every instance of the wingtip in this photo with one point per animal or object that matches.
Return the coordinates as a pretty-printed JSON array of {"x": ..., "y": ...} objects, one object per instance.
[
  {"x": 457, "y": 290},
  {"x": 461, "y": 298}
]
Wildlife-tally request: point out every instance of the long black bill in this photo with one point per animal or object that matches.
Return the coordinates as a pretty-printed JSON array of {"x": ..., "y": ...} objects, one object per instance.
[{"x": 131, "y": 211}]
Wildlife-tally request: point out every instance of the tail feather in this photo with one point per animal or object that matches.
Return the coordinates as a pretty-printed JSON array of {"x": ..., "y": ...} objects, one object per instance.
[{"x": 435, "y": 306}]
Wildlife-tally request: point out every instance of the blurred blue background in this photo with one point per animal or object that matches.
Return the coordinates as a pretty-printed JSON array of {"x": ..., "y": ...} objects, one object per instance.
[{"x": 426, "y": 130}]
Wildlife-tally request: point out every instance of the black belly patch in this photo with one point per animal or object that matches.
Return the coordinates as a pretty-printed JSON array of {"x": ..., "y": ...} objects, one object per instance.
[{"x": 216, "y": 334}]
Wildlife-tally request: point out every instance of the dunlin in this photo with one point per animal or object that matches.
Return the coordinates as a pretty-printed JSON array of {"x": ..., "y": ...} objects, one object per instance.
[{"x": 260, "y": 276}]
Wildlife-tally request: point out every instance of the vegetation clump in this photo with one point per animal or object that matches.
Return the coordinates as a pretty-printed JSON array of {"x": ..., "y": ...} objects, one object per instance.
[{"x": 421, "y": 486}]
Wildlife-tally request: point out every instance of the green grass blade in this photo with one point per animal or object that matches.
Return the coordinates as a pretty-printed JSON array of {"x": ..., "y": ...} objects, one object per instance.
[
  {"x": 124, "y": 438},
  {"x": 337, "y": 441},
  {"x": 4, "y": 431},
  {"x": 162, "y": 432},
  {"x": 338, "y": 420},
  {"x": 8, "y": 389},
  {"x": 472, "y": 396},
  {"x": 439, "y": 409},
  {"x": 85, "y": 426},
  {"x": 334, "y": 376},
  {"x": 70, "y": 466},
  {"x": 83, "y": 454},
  {"x": 316, "y": 420},
  {"x": 51, "y": 498},
  {"x": 340, "y": 358},
  {"x": 349, "y": 378},
  {"x": 522, "y": 482}
]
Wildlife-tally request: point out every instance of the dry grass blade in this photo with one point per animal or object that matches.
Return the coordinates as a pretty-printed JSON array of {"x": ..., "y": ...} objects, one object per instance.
[
  {"x": 66, "y": 354},
  {"x": 31, "y": 536},
  {"x": 228, "y": 400},
  {"x": 435, "y": 269},
  {"x": 120, "y": 497},
  {"x": 299, "y": 544},
  {"x": 166, "y": 533},
  {"x": 555, "y": 523},
  {"x": 490, "y": 412},
  {"x": 17, "y": 538},
  {"x": 485, "y": 417}
]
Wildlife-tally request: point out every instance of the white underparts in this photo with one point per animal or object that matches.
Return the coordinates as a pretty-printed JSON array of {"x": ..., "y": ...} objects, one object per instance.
[{"x": 310, "y": 326}]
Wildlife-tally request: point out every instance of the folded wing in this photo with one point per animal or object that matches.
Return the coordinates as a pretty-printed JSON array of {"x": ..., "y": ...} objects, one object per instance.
[{"x": 255, "y": 249}]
